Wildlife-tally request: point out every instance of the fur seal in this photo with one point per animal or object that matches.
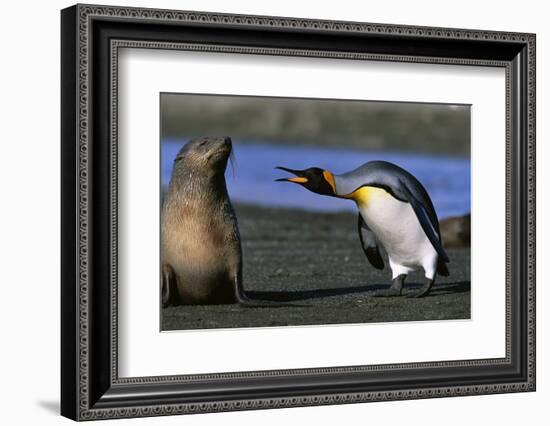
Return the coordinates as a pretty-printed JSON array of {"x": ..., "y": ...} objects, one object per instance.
[
  {"x": 201, "y": 256},
  {"x": 455, "y": 231}
]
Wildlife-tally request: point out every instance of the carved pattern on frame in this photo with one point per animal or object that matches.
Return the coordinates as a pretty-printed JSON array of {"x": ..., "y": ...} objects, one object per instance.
[{"x": 87, "y": 12}]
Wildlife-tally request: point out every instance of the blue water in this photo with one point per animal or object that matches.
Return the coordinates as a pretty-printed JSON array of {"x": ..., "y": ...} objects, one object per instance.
[{"x": 446, "y": 178}]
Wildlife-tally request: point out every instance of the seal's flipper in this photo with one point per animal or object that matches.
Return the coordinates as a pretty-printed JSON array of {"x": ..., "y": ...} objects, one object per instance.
[
  {"x": 242, "y": 299},
  {"x": 424, "y": 218},
  {"x": 262, "y": 303},
  {"x": 168, "y": 286},
  {"x": 369, "y": 243}
]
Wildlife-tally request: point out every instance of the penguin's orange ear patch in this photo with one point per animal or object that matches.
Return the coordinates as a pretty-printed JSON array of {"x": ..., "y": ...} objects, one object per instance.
[
  {"x": 297, "y": 179},
  {"x": 330, "y": 179}
]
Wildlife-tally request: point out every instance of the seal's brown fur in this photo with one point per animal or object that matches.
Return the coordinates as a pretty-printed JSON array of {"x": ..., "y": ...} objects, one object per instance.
[{"x": 200, "y": 243}]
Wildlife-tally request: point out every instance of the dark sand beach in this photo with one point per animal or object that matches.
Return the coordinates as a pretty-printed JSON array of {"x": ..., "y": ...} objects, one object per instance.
[{"x": 315, "y": 260}]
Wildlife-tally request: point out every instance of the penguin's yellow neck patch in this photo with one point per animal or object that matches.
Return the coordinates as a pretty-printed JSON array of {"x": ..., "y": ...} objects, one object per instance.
[{"x": 365, "y": 194}]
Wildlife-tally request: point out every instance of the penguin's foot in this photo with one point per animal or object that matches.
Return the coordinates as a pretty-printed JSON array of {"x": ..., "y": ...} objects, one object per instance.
[
  {"x": 388, "y": 292},
  {"x": 396, "y": 288},
  {"x": 424, "y": 291}
]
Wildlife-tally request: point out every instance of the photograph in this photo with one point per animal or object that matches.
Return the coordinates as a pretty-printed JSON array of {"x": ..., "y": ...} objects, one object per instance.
[{"x": 279, "y": 211}]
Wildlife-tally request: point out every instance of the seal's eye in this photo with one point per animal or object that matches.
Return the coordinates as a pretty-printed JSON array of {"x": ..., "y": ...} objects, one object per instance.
[
  {"x": 178, "y": 158},
  {"x": 202, "y": 143}
]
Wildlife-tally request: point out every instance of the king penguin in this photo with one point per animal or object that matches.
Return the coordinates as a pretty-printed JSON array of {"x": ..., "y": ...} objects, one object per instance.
[{"x": 395, "y": 212}]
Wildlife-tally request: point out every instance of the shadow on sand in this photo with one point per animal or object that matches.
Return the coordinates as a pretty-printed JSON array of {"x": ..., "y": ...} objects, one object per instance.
[{"x": 301, "y": 295}]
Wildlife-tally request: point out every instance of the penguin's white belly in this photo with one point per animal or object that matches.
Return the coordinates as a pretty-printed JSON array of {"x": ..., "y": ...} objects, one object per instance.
[{"x": 397, "y": 228}]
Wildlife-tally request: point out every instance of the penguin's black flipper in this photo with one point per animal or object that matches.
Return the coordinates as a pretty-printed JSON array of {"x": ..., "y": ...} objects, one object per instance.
[
  {"x": 425, "y": 221},
  {"x": 369, "y": 244},
  {"x": 442, "y": 268}
]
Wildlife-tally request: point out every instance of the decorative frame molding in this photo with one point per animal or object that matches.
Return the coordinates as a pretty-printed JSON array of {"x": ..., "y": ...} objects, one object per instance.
[{"x": 91, "y": 37}]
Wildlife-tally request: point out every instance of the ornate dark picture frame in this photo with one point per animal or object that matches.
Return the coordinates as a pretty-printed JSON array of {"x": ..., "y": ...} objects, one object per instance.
[{"x": 90, "y": 385}]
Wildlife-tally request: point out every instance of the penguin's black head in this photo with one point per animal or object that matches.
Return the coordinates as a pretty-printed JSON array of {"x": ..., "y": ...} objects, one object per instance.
[{"x": 315, "y": 179}]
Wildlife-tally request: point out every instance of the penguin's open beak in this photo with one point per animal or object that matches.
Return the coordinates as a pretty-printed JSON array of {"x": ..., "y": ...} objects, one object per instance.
[{"x": 298, "y": 179}]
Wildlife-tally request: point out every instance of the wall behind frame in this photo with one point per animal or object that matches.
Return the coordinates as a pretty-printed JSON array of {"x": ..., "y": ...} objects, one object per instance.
[{"x": 29, "y": 217}]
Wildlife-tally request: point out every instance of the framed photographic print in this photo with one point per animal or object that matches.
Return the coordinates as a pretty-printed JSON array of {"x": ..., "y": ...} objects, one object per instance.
[
  {"x": 263, "y": 212},
  {"x": 298, "y": 246}
]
